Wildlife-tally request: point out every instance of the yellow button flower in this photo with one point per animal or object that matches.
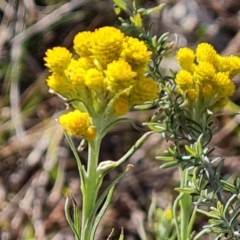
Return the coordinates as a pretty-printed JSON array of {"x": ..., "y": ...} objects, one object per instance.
[
  {"x": 121, "y": 105},
  {"x": 235, "y": 66},
  {"x": 57, "y": 59},
  {"x": 109, "y": 63},
  {"x": 204, "y": 72},
  {"x": 135, "y": 52},
  {"x": 119, "y": 75},
  {"x": 59, "y": 84},
  {"x": 206, "y": 53},
  {"x": 77, "y": 123},
  {"x": 206, "y": 90},
  {"x": 145, "y": 90},
  {"x": 184, "y": 79},
  {"x": 209, "y": 82},
  {"x": 82, "y": 43},
  {"x": 106, "y": 45},
  {"x": 75, "y": 73},
  {"x": 192, "y": 94},
  {"x": 185, "y": 57},
  {"x": 223, "y": 63},
  {"x": 94, "y": 80}
]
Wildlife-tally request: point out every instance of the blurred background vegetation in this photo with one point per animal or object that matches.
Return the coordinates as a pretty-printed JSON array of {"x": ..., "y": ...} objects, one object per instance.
[{"x": 37, "y": 168}]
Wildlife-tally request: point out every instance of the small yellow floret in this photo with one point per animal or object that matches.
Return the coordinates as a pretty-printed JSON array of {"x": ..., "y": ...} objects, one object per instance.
[
  {"x": 57, "y": 59},
  {"x": 204, "y": 72},
  {"x": 119, "y": 75},
  {"x": 76, "y": 123},
  {"x": 135, "y": 52},
  {"x": 121, "y": 105},
  {"x": 85, "y": 63},
  {"x": 192, "y": 94},
  {"x": 169, "y": 213},
  {"x": 75, "y": 73},
  {"x": 221, "y": 79},
  {"x": 229, "y": 64},
  {"x": 106, "y": 45},
  {"x": 94, "y": 80},
  {"x": 82, "y": 43},
  {"x": 206, "y": 53},
  {"x": 184, "y": 79},
  {"x": 58, "y": 84},
  {"x": 90, "y": 134},
  {"x": 145, "y": 90},
  {"x": 206, "y": 89},
  {"x": 235, "y": 66},
  {"x": 185, "y": 58}
]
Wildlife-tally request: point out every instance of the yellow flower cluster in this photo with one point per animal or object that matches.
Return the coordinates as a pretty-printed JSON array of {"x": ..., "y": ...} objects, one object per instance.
[
  {"x": 206, "y": 76},
  {"x": 107, "y": 65},
  {"x": 78, "y": 123}
]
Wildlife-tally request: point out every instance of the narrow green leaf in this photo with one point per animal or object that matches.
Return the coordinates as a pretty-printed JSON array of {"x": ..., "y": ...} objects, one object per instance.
[
  {"x": 218, "y": 170},
  {"x": 169, "y": 164},
  {"x": 228, "y": 204},
  {"x": 69, "y": 220},
  {"x": 208, "y": 214},
  {"x": 190, "y": 150},
  {"x": 165, "y": 158},
  {"x": 228, "y": 186},
  {"x": 157, "y": 127},
  {"x": 198, "y": 147},
  {"x": 76, "y": 217},
  {"x": 186, "y": 190},
  {"x": 144, "y": 106},
  {"x": 155, "y": 9},
  {"x": 102, "y": 211},
  {"x": 121, "y": 4}
]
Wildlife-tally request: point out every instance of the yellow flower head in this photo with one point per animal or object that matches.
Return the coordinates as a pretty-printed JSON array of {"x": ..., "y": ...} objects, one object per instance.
[
  {"x": 81, "y": 43},
  {"x": 57, "y": 59},
  {"x": 135, "y": 52},
  {"x": 145, "y": 90},
  {"x": 208, "y": 81},
  {"x": 109, "y": 64},
  {"x": 106, "y": 45},
  {"x": 235, "y": 65},
  {"x": 168, "y": 212},
  {"x": 206, "y": 90},
  {"x": 90, "y": 134},
  {"x": 192, "y": 94},
  {"x": 119, "y": 75},
  {"x": 121, "y": 105},
  {"x": 77, "y": 123},
  {"x": 204, "y": 72},
  {"x": 59, "y": 84},
  {"x": 94, "y": 80},
  {"x": 223, "y": 63},
  {"x": 221, "y": 79},
  {"x": 206, "y": 53},
  {"x": 75, "y": 73},
  {"x": 85, "y": 63},
  {"x": 224, "y": 86},
  {"x": 184, "y": 79},
  {"x": 185, "y": 58}
]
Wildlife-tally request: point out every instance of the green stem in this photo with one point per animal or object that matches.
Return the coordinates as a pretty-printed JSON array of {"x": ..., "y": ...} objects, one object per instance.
[
  {"x": 185, "y": 207},
  {"x": 90, "y": 189},
  {"x": 192, "y": 220},
  {"x": 175, "y": 214}
]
